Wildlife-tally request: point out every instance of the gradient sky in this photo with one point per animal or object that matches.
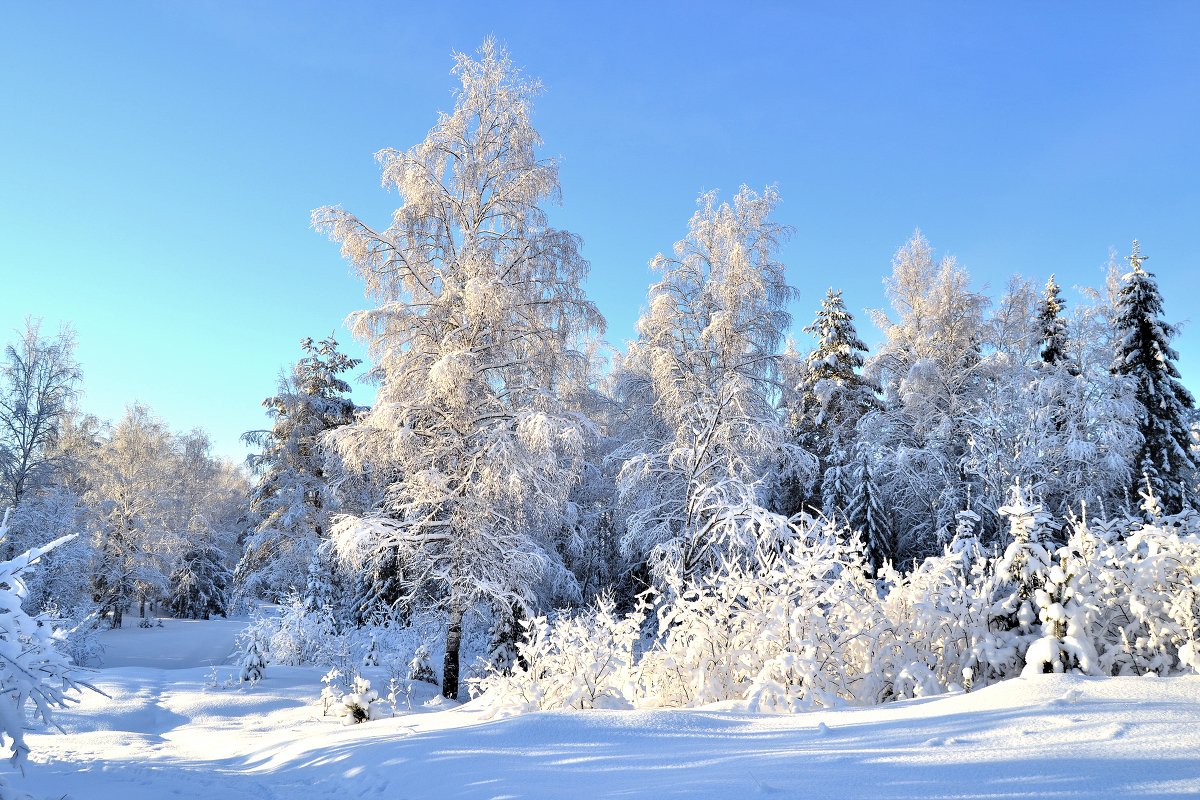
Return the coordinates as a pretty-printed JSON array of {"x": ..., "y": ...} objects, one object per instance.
[{"x": 159, "y": 160}]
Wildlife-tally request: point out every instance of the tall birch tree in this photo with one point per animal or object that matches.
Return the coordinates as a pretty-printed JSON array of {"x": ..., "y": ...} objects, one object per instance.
[
  {"x": 705, "y": 370},
  {"x": 479, "y": 318}
]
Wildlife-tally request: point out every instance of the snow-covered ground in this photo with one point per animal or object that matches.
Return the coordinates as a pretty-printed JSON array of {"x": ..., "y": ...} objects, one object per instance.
[{"x": 166, "y": 732}]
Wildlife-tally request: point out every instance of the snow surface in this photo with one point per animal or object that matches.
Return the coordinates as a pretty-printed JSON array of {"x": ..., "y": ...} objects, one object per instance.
[
  {"x": 178, "y": 644},
  {"x": 166, "y": 732}
]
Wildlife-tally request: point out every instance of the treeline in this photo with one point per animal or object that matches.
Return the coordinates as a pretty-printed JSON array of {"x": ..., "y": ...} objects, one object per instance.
[
  {"x": 158, "y": 521},
  {"x": 507, "y": 469}
]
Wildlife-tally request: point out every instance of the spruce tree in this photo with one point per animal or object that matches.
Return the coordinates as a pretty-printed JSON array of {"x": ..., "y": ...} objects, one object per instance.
[
  {"x": 1145, "y": 356},
  {"x": 832, "y": 396},
  {"x": 291, "y": 497},
  {"x": 867, "y": 514},
  {"x": 1053, "y": 328},
  {"x": 199, "y": 583}
]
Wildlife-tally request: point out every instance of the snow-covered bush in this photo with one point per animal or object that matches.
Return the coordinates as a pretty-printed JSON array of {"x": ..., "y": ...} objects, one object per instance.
[
  {"x": 804, "y": 623},
  {"x": 77, "y": 632},
  {"x": 371, "y": 657},
  {"x": 294, "y": 635},
  {"x": 779, "y": 633},
  {"x": 1161, "y": 576},
  {"x": 420, "y": 668},
  {"x": 254, "y": 664},
  {"x": 570, "y": 660},
  {"x": 938, "y": 624},
  {"x": 362, "y": 703},
  {"x": 333, "y": 689}
]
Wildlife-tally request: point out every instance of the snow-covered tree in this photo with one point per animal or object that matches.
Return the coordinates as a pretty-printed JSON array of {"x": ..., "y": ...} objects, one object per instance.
[
  {"x": 865, "y": 511},
  {"x": 35, "y": 677},
  {"x": 930, "y": 371},
  {"x": 829, "y": 399},
  {"x": 199, "y": 584},
  {"x": 705, "y": 373},
  {"x": 479, "y": 326},
  {"x": 927, "y": 362},
  {"x": 1053, "y": 328},
  {"x": 1145, "y": 355},
  {"x": 254, "y": 663},
  {"x": 292, "y": 497},
  {"x": 38, "y": 381},
  {"x": 127, "y": 497},
  {"x": 420, "y": 667},
  {"x": 153, "y": 497},
  {"x": 42, "y": 516}
]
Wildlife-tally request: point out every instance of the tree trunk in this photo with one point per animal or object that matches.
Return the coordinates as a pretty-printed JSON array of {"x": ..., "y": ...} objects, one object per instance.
[
  {"x": 116, "y": 618},
  {"x": 450, "y": 665}
]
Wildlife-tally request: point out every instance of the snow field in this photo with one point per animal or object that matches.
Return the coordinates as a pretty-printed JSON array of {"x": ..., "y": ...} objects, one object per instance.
[{"x": 165, "y": 733}]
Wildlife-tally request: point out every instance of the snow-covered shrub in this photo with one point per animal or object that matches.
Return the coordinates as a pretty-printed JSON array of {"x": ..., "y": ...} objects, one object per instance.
[
  {"x": 420, "y": 668},
  {"x": 34, "y": 673},
  {"x": 371, "y": 656},
  {"x": 576, "y": 660},
  {"x": 333, "y": 689},
  {"x": 937, "y": 625},
  {"x": 294, "y": 635},
  {"x": 362, "y": 703},
  {"x": 798, "y": 626},
  {"x": 254, "y": 664},
  {"x": 1162, "y": 578}
]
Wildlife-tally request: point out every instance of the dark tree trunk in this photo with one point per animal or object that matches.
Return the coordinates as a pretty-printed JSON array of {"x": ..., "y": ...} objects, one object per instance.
[
  {"x": 450, "y": 665},
  {"x": 116, "y": 618}
]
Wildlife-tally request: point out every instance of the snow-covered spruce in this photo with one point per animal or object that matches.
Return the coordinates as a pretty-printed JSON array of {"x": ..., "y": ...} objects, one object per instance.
[
  {"x": 1144, "y": 355},
  {"x": 254, "y": 663},
  {"x": 35, "y": 676},
  {"x": 292, "y": 499}
]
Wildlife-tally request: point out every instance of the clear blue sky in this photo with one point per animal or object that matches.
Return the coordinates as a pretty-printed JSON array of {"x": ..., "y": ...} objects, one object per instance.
[{"x": 158, "y": 160}]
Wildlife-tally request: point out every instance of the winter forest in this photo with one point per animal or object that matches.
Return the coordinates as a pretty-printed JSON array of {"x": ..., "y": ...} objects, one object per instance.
[{"x": 533, "y": 519}]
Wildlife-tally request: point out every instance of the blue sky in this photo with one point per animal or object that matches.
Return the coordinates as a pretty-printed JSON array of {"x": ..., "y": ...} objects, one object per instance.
[{"x": 158, "y": 160}]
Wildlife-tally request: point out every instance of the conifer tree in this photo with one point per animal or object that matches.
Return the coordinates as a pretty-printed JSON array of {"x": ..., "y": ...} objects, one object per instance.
[
  {"x": 199, "y": 583},
  {"x": 1053, "y": 325},
  {"x": 1144, "y": 355},
  {"x": 832, "y": 395},
  {"x": 292, "y": 495},
  {"x": 867, "y": 513}
]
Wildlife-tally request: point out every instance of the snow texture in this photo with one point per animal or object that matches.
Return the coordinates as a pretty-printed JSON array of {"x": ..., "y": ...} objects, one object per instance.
[{"x": 174, "y": 732}]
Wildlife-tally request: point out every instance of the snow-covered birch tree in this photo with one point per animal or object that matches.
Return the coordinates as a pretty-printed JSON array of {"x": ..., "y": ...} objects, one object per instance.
[
  {"x": 705, "y": 369},
  {"x": 38, "y": 380},
  {"x": 929, "y": 370},
  {"x": 479, "y": 320}
]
